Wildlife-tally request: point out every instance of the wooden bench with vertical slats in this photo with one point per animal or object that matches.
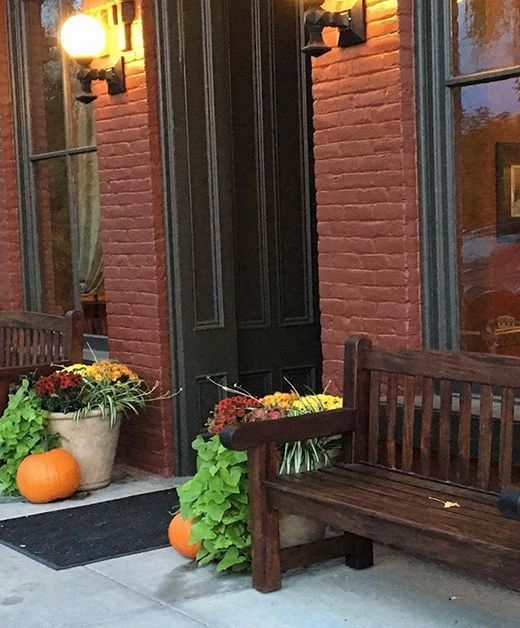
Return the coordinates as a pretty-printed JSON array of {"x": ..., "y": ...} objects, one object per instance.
[
  {"x": 405, "y": 454},
  {"x": 30, "y": 341}
]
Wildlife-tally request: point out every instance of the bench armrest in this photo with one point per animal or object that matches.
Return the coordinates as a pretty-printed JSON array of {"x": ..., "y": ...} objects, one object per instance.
[{"x": 244, "y": 436}]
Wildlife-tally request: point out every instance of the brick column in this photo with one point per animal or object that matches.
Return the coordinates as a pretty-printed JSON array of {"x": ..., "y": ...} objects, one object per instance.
[
  {"x": 365, "y": 152},
  {"x": 10, "y": 272},
  {"x": 133, "y": 242}
]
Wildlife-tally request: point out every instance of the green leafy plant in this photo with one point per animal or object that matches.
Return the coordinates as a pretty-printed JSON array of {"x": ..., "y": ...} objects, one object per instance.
[
  {"x": 216, "y": 501},
  {"x": 22, "y": 432}
]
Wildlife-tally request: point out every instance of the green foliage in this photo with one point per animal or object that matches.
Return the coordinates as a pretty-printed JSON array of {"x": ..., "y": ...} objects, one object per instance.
[
  {"x": 215, "y": 499},
  {"x": 125, "y": 395},
  {"x": 22, "y": 432}
]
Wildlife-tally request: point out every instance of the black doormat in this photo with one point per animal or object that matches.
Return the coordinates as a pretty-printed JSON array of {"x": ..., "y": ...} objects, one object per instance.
[{"x": 87, "y": 534}]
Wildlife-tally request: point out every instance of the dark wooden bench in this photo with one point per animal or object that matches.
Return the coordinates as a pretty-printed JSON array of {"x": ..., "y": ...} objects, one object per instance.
[
  {"x": 30, "y": 341},
  {"x": 402, "y": 460}
]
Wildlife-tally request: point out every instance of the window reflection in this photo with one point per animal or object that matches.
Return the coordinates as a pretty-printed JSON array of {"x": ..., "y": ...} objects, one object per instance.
[
  {"x": 487, "y": 118},
  {"x": 486, "y": 34},
  {"x": 66, "y": 187}
]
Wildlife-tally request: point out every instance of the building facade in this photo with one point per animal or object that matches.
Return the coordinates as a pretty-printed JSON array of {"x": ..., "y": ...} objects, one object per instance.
[{"x": 237, "y": 212}]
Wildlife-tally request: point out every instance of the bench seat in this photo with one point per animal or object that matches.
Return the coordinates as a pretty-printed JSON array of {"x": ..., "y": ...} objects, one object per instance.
[{"x": 402, "y": 511}]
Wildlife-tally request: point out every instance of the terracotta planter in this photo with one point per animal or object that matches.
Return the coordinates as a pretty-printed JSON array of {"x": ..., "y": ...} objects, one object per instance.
[
  {"x": 92, "y": 441},
  {"x": 295, "y": 530}
]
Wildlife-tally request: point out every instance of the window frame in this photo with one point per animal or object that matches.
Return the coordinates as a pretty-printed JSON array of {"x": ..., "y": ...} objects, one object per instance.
[
  {"x": 435, "y": 84},
  {"x": 26, "y": 161}
]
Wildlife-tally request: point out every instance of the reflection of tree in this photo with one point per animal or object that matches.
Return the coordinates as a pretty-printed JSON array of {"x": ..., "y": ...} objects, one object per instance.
[{"x": 481, "y": 118}]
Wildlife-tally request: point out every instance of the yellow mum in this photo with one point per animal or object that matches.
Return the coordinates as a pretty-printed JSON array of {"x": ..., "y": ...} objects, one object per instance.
[
  {"x": 113, "y": 371},
  {"x": 317, "y": 403},
  {"x": 279, "y": 399}
]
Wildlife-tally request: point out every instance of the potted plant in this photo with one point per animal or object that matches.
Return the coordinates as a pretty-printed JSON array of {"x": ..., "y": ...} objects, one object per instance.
[
  {"x": 216, "y": 499},
  {"x": 86, "y": 404}
]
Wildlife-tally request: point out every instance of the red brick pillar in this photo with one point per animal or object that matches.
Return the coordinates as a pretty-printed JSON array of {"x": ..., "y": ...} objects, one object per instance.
[
  {"x": 10, "y": 273},
  {"x": 365, "y": 150},
  {"x": 133, "y": 242}
]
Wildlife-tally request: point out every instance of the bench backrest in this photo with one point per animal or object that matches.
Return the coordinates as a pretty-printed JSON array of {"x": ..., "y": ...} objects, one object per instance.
[
  {"x": 448, "y": 415},
  {"x": 29, "y": 338}
]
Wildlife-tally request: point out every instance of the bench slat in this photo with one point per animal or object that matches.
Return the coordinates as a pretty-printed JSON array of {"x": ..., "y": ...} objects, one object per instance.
[
  {"x": 445, "y": 429},
  {"x": 484, "y": 440},
  {"x": 506, "y": 436},
  {"x": 426, "y": 425},
  {"x": 480, "y": 368},
  {"x": 464, "y": 432},
  {"x": 408, "y": 423},
  {"x": 391, "y": 414},
  {"x": 373, "y": 416}
]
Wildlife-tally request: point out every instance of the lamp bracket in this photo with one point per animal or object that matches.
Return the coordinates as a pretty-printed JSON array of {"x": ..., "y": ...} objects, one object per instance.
[
  {"x": 351, "y": 26},
  {"x": 114, "y": 77}
]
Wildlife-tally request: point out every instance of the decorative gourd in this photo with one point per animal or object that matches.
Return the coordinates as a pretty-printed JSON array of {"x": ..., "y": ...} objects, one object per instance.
[
  {"x": 51, "y": 475},
  {"x": 179, "y": 536}
]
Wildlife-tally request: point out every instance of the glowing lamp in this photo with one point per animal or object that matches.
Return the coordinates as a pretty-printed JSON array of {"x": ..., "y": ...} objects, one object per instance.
[{"x": 83, "y": 38}]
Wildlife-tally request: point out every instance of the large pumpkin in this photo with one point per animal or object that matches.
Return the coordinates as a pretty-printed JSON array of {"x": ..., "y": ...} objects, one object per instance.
[
  {"x": 51, "y": 475},
  {"x": 179, "y": 532}
]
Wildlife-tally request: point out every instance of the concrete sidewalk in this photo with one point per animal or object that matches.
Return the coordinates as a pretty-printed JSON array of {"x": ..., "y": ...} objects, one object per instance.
[{"x": 159, "y": 588}]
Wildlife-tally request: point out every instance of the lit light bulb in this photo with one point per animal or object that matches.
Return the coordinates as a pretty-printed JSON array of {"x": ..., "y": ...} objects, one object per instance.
[
  {"x": 83, "y": 37},
  {"x": 338, "y": 6}
]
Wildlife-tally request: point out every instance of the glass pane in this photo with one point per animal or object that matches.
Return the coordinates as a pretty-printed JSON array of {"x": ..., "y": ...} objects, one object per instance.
[
  {"x": 486, "y": 35},
  {"x": 90, "y": 267},
  {"x": 54, "y": 227},
  {"x": 487, "y": 126},
  {"x": 45, "y": 75},
  {"x": 48, "y": 67}
]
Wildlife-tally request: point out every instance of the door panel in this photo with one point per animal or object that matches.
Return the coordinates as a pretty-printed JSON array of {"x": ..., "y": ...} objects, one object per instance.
[
  {"x": 196, "y": 123},
  {"x": 239, "y": 201},
  {"x": 274, "y": 212}
]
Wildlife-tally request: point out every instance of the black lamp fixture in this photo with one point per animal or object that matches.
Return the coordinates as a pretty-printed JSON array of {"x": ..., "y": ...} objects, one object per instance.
[
  {"x": 84, "y": 38},
  {"x": 348, "y": 16}
]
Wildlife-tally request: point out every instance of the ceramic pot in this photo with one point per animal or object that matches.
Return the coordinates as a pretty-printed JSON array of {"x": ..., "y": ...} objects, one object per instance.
[
  {"x": 92, "y": 441},
  {"x": 296, "y": 530}
]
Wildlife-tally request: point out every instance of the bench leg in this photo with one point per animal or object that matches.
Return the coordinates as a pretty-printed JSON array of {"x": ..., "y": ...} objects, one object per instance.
[
  {"x": 265, "y": 533},
  {"x": 360, "y": 553}
]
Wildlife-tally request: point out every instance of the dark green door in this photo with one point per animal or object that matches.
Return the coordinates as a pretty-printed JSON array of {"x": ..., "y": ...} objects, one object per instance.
[{"x": 237, "y": 116}]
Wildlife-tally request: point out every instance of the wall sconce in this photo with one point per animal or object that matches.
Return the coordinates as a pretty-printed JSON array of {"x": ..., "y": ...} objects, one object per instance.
[
  {"x": 348, "y": 16},
  {"x": 84, "y": 38}
]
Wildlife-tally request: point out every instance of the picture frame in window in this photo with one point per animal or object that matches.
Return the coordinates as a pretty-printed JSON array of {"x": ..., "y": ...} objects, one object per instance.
[{"x": 508, "y": 191}]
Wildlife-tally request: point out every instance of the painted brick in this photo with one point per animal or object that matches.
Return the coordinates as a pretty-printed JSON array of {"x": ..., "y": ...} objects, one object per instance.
[{"x": 365, "y": 154}]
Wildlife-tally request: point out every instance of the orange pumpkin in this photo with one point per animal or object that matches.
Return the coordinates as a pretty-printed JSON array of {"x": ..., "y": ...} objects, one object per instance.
[
  {"x": 51, "y": 475},
  {"x": 179, "y": 532}
]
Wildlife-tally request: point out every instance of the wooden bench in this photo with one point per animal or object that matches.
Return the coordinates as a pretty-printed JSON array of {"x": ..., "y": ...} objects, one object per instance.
[
  {"x": 30, "y": 342},
  {"x": 401, "y": 462}
]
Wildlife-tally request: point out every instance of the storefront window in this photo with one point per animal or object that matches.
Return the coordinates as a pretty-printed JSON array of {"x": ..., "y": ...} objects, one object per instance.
[
  {"x": 486, "y": 35},
  {"x": 488, "y": 187},
  {"x": 60, "y": 149},
  {"x": 486, "y": 117}
]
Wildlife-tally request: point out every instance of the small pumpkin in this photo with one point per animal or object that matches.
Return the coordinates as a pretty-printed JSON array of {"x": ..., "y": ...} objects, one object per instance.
[
  {"x": 48, "y": 476},
  {"x": 179, "y": 532}
]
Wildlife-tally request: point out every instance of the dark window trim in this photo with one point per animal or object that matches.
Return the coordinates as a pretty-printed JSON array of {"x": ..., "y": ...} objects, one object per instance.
[{"x": 440, "y": 307}]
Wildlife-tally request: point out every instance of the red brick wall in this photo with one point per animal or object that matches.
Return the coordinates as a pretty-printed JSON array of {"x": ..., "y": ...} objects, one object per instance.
[
  {"x": 365, "y": 154},
  {"x": 133, "y": 243},
  {"x": 10, "y": 276}
]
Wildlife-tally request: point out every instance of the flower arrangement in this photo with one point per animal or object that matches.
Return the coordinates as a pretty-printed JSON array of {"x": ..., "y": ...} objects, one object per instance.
[
  {"x": 110, "y": 387},
  {"x": 216, "y": 499},
  {"x": 60, "y": 391}
]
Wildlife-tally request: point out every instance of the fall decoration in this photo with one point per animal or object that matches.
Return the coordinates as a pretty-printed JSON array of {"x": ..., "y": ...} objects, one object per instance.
[
  {"x": 179, "y": 532},
  {"x": 45, "y": 477}
]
